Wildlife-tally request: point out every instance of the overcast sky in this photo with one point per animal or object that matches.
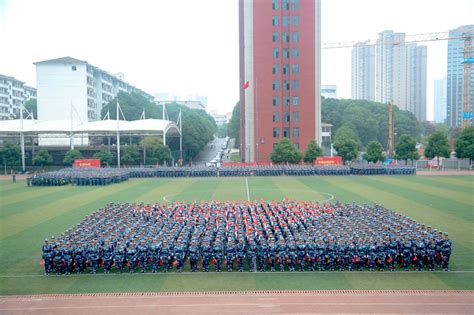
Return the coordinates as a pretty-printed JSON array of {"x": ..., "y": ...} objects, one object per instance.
[{"x": 191, "y": 46}]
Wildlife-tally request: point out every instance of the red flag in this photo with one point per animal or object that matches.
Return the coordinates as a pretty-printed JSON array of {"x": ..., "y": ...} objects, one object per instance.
[{"x": 246, "y": 85}]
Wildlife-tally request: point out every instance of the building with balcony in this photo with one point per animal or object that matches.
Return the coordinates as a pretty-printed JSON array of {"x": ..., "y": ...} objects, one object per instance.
[{"x": 13, "y": 94}]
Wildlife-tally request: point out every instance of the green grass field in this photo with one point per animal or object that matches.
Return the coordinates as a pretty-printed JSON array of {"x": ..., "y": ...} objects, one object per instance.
[{"x": 29, "y": 215}]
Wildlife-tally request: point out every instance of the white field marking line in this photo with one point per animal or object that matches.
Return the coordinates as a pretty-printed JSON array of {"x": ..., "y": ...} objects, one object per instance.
[
  {"x": 247, "y": 184},
  {"x": 165, "y": 198},
  {"x": 127, "y": 274},
  {"x": 225, "y": 304}
]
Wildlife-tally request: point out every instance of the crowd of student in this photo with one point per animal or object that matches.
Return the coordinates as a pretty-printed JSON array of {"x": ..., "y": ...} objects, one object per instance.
[{"x": 287, "y": 235}]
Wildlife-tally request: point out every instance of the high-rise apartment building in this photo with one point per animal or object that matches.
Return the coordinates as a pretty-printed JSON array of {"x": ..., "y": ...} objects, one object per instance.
[
  {"x": 68, "y": 81},
  {"x": 416, "y": 80},
  {"x": 363, "y": 72},
  {"x": 391, "y": 69},
  {"x": 440, "y": 100},
  {"x": 454, "y": 86},
  {"x": 13, "y": 93},
  {"x": 279, "y": 74}
]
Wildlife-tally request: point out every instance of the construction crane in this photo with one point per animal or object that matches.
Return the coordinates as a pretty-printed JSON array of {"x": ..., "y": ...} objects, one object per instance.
[{"x": 417, "y": 38}]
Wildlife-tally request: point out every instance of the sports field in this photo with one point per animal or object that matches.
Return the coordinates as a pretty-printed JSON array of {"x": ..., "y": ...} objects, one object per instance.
[{"x": 28, "y": 215}]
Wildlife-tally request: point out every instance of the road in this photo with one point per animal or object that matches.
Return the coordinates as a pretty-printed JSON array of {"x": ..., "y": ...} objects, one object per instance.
[{"x": 209, "y": 152}]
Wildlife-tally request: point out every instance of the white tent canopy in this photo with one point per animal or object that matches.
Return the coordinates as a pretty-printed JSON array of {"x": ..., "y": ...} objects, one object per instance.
[{"x": 157, "y": 126}]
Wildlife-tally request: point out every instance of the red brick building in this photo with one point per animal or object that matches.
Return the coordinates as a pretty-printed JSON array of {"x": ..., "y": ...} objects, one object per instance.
[{"x": 280, "y": 60}]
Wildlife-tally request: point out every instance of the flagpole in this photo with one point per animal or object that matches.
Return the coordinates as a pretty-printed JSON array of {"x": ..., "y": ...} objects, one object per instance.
[{"x": 118, "y": 136}]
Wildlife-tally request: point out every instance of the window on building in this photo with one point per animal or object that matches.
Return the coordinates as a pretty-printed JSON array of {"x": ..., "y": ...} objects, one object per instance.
[
  {"x": 286, "y": 85},
  {"x": 285, "y": 4},
  {"x": 296, "y": 116},
  {"x": 295, "y": 37},
  {"x": 73, "y": 68},
  {"x": 276, "y": 101},
  {"x": 295, "y": 68},
  {"x": 275, "y": 69},
  {"x": 286, "y": 53},
  {"x": 296, "y": 132},
  {"x": 275, "y": 85},
  {"x": 294, "y": 4},
  {"x": 286, "y": 100},
  {"x": 286, "y": 69},
  {"x": 275, "y": 37},
  {"x": 295, "y": 20},
  {"x": 296, "y": 85},
  {"x": 275, "y": 20},
  {"x": 276, "y": 116},
  {"x": 276, "y": 132},
  {"x": 295, "y": 52},
  {"x": 286, "y": 117},
  {"x": 296, "y": 100},
  {"x": 285, "y": 37},
  {"x": 275, "y": 53},
  {"x": 274, "y": 4},
  {"x": 286, "y": 21},
  {"x": 286, "y": 132}
]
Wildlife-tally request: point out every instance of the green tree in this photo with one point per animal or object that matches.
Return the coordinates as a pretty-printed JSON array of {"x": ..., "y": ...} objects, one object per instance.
[
  {"x": 42, "y": 158},
  {"x": 374, "y": 152},
  {"x": 10, "y": 155},
  {"x": 233, "y": 128},
  {"x": 104, "y": 156},
  {"x": 131, "y": 155},
  {"x": 437, "y": 146},
  {"x": 132, "y": 105},
  {"x": 346, "y": 143},
  {"x": 312, "y": 152},
  {"x": 222, "y": 131},
  {"x": 31, "y": 106},
  {"x": 70, "y": 156},
  {"x": 465, "y": 144},
  {"x": 406, "y": 149},
  {"x": 156, "y": 152},
  {"x": 286, "y": 151}
]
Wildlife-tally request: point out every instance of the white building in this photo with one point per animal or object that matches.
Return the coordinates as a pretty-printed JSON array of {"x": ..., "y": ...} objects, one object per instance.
[
  {"x": 416, "y": 80},
  {"x": 220, "y": 119},
  {"x": 440, "y": 100},
  {"x": 13, "y": 93},
  {"x": 363, "y": 72},
  {"x": 189, "y": 104},
  {"x": 391, "y": 69},
  {"x": 68, "y": 81},
  {"x": 329, "y": 91}
]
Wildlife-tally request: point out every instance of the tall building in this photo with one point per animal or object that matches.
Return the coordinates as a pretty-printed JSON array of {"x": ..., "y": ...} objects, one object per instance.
[
  {"x": 329, "y": 91},
  {"x": 279, "y": 74},
  {"x": 454, "y": 86},
  {"x": 363, "y": 72},
  {"x": 68, "y": 81},
  {"x": 391, "y": 69},
  {"x": 416, "y": 80},
  {"x": 440, "y": 100},
  {"x": 13, "y": 93}
]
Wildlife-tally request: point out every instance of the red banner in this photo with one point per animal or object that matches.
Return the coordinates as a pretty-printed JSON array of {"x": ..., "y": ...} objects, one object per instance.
[
  {"x": 87, "y": 163},
  {"x": 327, "y": 160}
]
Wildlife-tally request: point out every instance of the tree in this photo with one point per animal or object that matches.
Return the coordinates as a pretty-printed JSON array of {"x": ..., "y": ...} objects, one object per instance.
[
  {"x": 465, "y": 144},
  {"x": 222, "y": 131},
  {"x": 437, "y": 146},
  {"x": 131, "y": 155},
  {"x": 42, "y": 158},
  {"x": 374, "y": 152},
  {"x": 286, "y": 151},
  {"x": 346, "y": 143},
  {"x": 132, "y": 106},
  {"x": 70, "y": 156},
  {"x": 10, "y": 155},
  {"x": 233, "y": 128},
  {"x": 104, "y": 156},
  {"x": 32, "y": 107},
  {"x": 156, "y": 152},
  {"x": 406, "y": 149},
  {"x": 312, "y": 152}
]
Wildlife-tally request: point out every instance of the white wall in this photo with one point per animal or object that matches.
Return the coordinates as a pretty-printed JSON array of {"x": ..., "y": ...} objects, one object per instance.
[{"x": 59, "y": 87}]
